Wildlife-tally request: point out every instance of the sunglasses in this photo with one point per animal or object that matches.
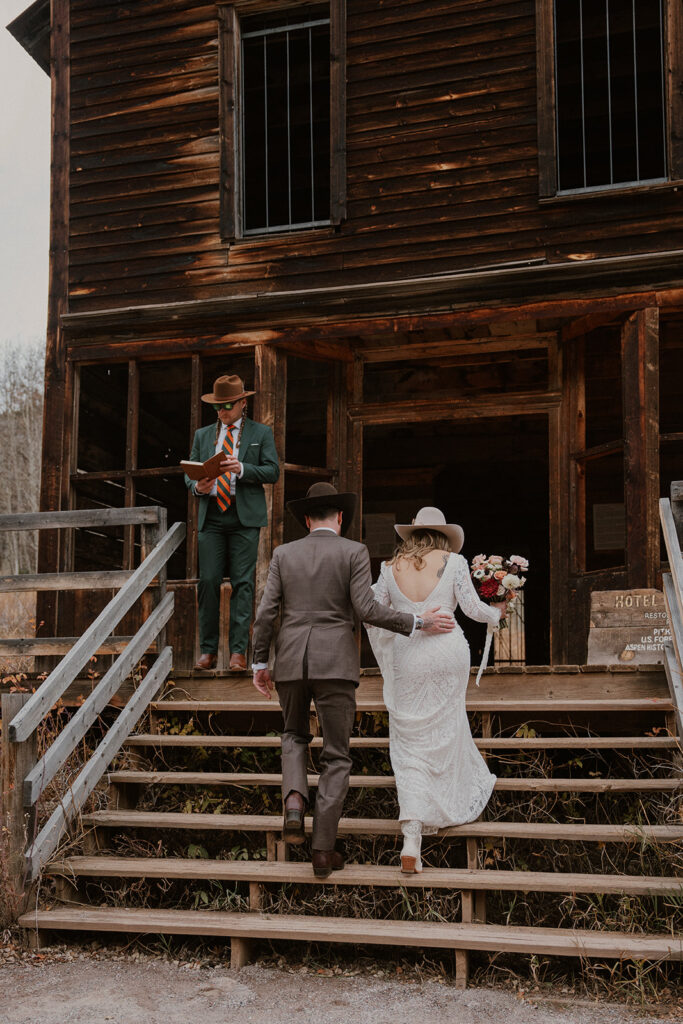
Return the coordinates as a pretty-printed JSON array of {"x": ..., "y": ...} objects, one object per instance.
[{"x": 223, "y": 405}]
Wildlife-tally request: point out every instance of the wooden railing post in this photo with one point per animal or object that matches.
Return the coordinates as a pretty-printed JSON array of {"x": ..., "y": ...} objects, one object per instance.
[
  {"x": 16, "y": 825},
  {"x": 151, "y": 535}
]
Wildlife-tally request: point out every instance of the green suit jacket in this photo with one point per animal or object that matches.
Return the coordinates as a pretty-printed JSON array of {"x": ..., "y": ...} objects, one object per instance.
[{"x": 258, "y": 456}]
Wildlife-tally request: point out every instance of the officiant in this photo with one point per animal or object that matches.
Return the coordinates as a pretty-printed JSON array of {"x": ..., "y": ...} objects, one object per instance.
[{"x": 232, "y": 510}]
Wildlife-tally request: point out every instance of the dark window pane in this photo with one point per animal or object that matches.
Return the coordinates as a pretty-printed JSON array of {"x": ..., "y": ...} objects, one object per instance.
[
  {"x": 306, "y": 432},
  {"x": 603, "y": 387},
  {"x": 650, "y": 92},
  {"x": 609, "y": 84},
  {"x": 286, "y": 120},
  {"x": 278, "y": 174},
  {"x": 569, "y": 109},
  {"x": 164, "y": 432},
  {"x": 596, "y": 94},
  {"x": 169, "y": 492},
  {"x": 624, "y": 125},
  {"x": 320, "y": 54},
  {"x": 671, "y": 381},
  {"x": 300, "y": 130},
  {"x": 605, "y": 523},
  {"x": 254, "y": 134},
  {"x": 102, "y": 408},
  {"x": 99, "y": 547}
]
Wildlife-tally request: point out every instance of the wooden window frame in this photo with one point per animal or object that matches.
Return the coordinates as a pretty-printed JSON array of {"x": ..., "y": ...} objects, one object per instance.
[
  {"x": 229, "y": 14},
  {"x": 547, "y": 108}
]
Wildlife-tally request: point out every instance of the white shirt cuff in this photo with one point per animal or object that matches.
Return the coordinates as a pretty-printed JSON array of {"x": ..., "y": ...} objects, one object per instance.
[
  {"x": 414, "y": 629},
  {"x": 241, "y": 472},
  {"x": 259, "y": 665}
]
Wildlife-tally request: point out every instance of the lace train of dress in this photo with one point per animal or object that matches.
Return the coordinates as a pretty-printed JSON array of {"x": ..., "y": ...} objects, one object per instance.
[{"x": 441, "y": 778}]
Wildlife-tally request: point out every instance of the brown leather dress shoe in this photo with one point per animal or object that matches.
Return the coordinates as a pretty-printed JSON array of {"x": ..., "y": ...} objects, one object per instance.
[
  {"x": 293, "y": 819},
  {"x": 238, "y": 663},
  {"x": 206, "y": 661},
  {"x": 326, "y": 861}
]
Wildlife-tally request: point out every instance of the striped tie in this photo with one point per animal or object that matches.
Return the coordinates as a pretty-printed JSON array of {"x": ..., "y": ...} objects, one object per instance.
[{"x": 223, "y": 495}]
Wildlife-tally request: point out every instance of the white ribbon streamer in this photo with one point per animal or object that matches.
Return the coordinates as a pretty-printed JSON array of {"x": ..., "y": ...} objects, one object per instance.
[{"x": 490, "y": 630}]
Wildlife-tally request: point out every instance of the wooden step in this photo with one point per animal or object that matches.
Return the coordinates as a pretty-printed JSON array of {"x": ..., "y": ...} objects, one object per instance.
[
  {"x": 170, "y": 778},
  {"x": 382, "y": 742},
  {"x": 386, "y": 827},
  {"x": 519, "y": 705},
  {"x": 361, "y": 874},
  {"x": 294, "y": 927}
]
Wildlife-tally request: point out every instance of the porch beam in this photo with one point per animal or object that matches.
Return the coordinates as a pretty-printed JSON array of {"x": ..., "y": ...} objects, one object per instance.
[
  {"x": 640, "y": 393},
  {"x": 455, "y": 408},
  {"x": 457, "y": 347}
]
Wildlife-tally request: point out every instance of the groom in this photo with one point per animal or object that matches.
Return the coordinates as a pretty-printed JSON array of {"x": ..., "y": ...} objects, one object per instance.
[{"x": 318, "y": 583}]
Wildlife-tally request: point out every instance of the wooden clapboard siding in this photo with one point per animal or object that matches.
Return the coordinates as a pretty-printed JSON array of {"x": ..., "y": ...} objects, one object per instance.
[{"x": 442, "y": 159}]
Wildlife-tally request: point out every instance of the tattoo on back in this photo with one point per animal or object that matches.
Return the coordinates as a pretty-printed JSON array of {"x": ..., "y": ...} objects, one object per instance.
[{"x": 443, "y": 567}]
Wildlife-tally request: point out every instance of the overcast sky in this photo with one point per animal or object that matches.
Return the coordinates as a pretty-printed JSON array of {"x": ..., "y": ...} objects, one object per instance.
[{"x": 24, "y": 186}]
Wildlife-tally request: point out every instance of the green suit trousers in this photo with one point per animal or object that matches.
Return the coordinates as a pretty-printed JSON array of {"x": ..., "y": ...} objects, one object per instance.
[{"x": 224, "y": 542}]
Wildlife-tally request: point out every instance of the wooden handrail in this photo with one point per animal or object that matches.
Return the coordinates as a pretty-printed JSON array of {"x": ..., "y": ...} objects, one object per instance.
[
  {"x": 72, "y": 733},
  {"x": 58, "y": 581},
  {"x": 21, "y": 730},
  {"x": 671, "y": 517},
  {"x": 63, "y": 675},
  {"x": 77, "y": 518},
  {"x": 47, "y": 840}
]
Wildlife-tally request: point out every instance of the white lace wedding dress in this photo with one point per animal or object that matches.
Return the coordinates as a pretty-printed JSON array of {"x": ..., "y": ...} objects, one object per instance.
[{"x": 441, "y": 778}]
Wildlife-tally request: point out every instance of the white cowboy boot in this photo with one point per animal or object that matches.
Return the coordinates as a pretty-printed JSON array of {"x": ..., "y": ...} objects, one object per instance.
[{"x": 411, "y": 861}]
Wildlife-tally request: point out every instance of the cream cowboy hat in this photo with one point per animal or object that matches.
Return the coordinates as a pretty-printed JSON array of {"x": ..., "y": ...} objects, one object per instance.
[{"x": 430, "y": 518}]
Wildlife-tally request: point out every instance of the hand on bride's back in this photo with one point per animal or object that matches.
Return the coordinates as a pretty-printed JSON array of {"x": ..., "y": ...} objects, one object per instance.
[{"x": 436, "y": 621}]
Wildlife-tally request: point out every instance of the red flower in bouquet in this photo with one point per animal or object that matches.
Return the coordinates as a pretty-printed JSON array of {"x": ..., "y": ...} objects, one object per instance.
[{"x": 488, "y": 588}]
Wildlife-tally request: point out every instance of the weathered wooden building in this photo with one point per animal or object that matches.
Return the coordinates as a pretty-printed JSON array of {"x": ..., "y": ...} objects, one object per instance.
[{"x": 440, "y": 239}]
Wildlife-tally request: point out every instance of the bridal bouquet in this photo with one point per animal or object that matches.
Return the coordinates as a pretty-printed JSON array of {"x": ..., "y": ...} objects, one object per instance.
[{"x": 498, "y": 579}]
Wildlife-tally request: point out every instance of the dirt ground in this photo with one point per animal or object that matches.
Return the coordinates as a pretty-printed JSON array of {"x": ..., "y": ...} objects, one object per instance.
[{"x": 86, "y": 991}]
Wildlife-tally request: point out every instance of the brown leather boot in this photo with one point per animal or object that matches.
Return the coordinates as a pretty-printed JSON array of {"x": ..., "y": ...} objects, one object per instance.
[
  {"x": 238, "y": 663},
  {"x": 206, "y": 662},
  {"x": 326, "y": 861}
]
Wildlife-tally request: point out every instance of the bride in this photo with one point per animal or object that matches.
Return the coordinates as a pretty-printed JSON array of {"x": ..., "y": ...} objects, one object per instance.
[{"x": 441, "y": 778}]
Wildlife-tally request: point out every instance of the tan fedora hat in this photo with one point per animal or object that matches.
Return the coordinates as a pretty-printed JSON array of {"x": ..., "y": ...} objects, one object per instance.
[
  {"x": 430, "y": 518},
  {"x": 227, "y": 389},
  {"x": 324, "y": 495}
]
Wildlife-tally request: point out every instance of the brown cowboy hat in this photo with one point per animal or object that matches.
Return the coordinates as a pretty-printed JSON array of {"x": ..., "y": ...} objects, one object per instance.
[
  {"x": 227, "y": 389},
  {"x": 324, "y": 495},
  {"x": 430, "y": 518}
]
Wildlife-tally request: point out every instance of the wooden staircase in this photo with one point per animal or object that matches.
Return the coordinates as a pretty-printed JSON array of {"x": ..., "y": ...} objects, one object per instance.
[{"x": 550, "y": 735}]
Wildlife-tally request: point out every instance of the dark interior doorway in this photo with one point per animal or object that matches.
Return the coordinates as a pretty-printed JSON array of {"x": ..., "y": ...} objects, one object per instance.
[{"x": 489, "y": 475}]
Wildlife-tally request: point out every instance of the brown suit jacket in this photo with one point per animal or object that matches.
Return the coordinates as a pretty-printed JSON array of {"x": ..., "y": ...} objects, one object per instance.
[{"x": 319, "y": 582}]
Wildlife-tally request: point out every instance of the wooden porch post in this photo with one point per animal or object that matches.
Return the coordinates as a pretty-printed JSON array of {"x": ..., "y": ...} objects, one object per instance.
[
  {"x": 270, "y": 407},
  {"x": 640, "y": 391},
  {"x": 16, "y": 824}
]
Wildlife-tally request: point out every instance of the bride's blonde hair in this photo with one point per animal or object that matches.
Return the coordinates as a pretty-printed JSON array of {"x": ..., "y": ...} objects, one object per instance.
[{"x": 419, "y": 544}]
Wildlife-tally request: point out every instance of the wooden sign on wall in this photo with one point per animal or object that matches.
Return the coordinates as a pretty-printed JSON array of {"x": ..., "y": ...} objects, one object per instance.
[{"x": 628, "y": 627}]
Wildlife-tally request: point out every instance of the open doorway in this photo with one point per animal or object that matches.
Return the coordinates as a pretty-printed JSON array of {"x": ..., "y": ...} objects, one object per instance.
[{"x": 491, "y": 476}]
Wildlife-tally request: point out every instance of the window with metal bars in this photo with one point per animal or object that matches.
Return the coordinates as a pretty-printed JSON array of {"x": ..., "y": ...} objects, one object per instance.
[
  {"x": 285, "y": 121},
  {"x": 610, "y": 93}
]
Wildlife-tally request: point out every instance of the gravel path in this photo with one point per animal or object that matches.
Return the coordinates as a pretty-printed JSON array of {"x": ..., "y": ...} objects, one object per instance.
[{"x": 87, "y": 991}]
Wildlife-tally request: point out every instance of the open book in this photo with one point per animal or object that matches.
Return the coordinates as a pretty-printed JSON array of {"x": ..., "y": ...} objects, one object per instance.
[{"x": 200, "y": 470}]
